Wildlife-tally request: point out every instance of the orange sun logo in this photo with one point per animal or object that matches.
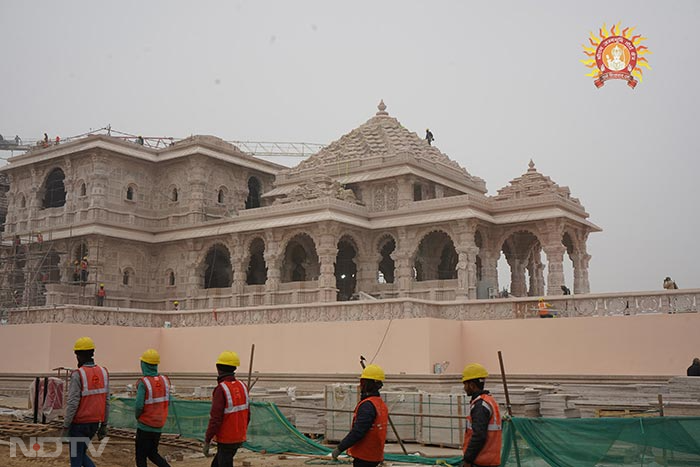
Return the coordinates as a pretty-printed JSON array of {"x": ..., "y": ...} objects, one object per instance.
[{"x": 616, "y": 54}]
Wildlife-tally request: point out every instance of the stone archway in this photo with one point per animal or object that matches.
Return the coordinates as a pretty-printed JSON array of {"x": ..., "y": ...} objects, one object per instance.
[
  {"x": 436, "y": 258},
  {"x": 346, "y": 269},
  {"x": 387, "y": 268},
  {"x": 523, "y": 254},
  {"x": 257, "y": 268},
  {"x": 254, "y": 193},
  {"x": 300, "y": 261},
  {"x": 218, "y": 272},
  {"x": 54, "y": 189}
]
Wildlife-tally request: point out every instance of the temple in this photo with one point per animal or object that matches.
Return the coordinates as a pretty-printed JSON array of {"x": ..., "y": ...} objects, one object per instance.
[{"x": 378, "y": 213}]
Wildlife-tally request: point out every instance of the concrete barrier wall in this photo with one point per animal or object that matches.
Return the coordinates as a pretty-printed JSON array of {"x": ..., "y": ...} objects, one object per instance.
[{"x": 661, "y": 344}]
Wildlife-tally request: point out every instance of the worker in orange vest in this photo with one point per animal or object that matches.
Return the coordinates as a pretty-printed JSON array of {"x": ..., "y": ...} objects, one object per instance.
[
  {"x": 543, "y": 309},
  {"x": 87, "y": 408},
  {"x": 483, "y": 436},
  {"x": 230, "y": 412},
  {"x": 365, "y": 442},
  {"x": 152, "y": 402},
  {"x": 101, "y": 294}
]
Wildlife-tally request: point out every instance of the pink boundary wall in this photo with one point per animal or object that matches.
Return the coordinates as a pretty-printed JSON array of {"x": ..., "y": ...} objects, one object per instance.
[{"x": 623, "y": 345}]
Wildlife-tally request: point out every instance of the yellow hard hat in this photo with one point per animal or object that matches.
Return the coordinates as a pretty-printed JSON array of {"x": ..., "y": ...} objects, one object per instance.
[
  {"x": 102, "y": 285},
  {"x": 474, "y": 371},
  {"x": 84, "y": 343},
  {"x": 229, "y": 358},
  {"x": 151, "y": 356},
  {"x": 542, "y": 299},
  {"x": 176, "y": 302},
  {"x": 374, "y": 372}
]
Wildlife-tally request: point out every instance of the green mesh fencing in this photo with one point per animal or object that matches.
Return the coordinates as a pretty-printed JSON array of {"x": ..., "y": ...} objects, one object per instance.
[{"x": 539, "y": 442}]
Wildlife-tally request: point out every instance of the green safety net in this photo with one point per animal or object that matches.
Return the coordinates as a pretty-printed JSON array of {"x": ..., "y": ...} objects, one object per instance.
[{"x": 527, "y": 442}]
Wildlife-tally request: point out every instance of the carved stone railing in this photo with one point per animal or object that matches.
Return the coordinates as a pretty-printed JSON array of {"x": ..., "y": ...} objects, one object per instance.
[{"x": 611, "y": 304}]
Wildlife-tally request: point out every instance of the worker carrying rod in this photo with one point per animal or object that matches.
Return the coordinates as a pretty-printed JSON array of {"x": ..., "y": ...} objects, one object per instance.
[
  {"x": 365, "y": 442},
  {"x": 483, "y": 436}
]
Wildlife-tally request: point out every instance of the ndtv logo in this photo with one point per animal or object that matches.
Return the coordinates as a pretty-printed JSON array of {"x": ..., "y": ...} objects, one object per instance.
[{"x": 52, "y": 446}]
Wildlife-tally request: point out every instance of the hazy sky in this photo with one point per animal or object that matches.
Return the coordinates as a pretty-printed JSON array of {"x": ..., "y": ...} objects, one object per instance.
[{"x": 498, "y": 83}]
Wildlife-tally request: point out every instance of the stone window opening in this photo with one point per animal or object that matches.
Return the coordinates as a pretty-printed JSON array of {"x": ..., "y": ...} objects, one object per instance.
[
  {"x": 417, "y": 192},
  {"x": 130, "y": 193},
  {"x": 218, "y": 272},
  {"x": 345, "y": 270},
  {"x": 387, "y": 268},
  {"x": 83, "y": 189},
  {"x": 174, "y": 195},
  {"x": 171, "y": 278},
  {"x": 300, "y": 260},
  {"x": 220, "y": 196},
  {"x": 254, "y": 193},
  {"x": 128, "y": 277},
  {"x": 436, "y": 258},
  {"x": 54, "y": 189},
  {"x": 256, "y": 273},
  {"x": 22, "y": 201}
]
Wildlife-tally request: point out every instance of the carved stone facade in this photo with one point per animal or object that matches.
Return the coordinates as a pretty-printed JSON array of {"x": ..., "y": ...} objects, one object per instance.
[{"x": 377, "y": 212}]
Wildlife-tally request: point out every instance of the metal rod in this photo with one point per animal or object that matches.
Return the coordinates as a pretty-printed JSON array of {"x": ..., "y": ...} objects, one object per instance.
[
  {"x": 250, "y": 367},
  {"x": 43, "y": 402},
  {"x": 508, "y": 406},
  {"x": 36, "y": 399}
]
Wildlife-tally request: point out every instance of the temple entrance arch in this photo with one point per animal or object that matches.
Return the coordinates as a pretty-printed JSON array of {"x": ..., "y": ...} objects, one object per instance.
[
  {"x": 346, "y": 269},
  {"x": 218, "y": 272},
  {"x": 257, "y": 268},
  {"x": 436, "y": 258},
  {"x": 568, "y": 266},
  {"x": 300, "y": 260},
  {"x": 521, "y": 270}
]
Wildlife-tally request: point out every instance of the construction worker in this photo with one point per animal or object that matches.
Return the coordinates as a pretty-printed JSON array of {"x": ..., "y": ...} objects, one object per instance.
[
  {"x": 429, "y": 136},
  {"x": 76, "y": 271},
  {"x": 101, "y": 294},
  {"x": 152, "y": 402},
  {"x": 230, "y": 412},
  {"x": 543, "y": 309},
  {"x": 87, "y": 406},
  {"x": 482, "y": 438},
  {"x": 176, "y": 305},
  {"x": 365, "y": 442}
]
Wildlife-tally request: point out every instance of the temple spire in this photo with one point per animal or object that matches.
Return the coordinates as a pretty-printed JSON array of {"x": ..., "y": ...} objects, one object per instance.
[{"x": 382, "y": 108}]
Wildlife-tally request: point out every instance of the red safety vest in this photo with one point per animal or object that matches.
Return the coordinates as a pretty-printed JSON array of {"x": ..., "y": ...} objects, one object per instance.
[
  {"x": 155, "y": 405},
  {"x": 371, "y": 447},
  {"x": 236, "y": 413},
  {"x": 543, "y": 309},
  {"x": 490, "y": 454},
  {"x": 94, "y": 383},
  {"x": 101, "y": 292}
]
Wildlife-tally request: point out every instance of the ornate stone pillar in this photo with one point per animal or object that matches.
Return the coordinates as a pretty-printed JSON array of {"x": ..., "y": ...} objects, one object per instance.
[
  {"x": 367, "y": 268},
  {"x": 99, "y": 186},
  {"x": 581, "y": 283},
  {"x": 403, "y": 269},
  {"x": 489, "y": 267},
  {"x": 555, "y": 267},
  {"x": 239, "y": 276},
  {"x": 405, "y": 191},
  {"x": 273, "y": 261},
  {"x": 327, "y": 250},
  {"x": 197, "y": 181},
  {"x": 518, "y": 287}
]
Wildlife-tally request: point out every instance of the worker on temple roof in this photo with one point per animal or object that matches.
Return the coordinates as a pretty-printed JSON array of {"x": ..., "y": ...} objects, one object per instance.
[{"x": 429, "y": 136}]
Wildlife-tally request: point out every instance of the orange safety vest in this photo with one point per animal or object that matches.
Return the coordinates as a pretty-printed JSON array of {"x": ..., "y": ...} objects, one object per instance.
[
  {"x": 155, "y": 405},
  {"x": 94, "y": 383},
  {"x": 543, "y": 310},
  {"x": 371, "y": 447},
  {"x": 101, "y": 292},
  {"x": 236, "y": 413},
  {"x": 490, "y": 454}
]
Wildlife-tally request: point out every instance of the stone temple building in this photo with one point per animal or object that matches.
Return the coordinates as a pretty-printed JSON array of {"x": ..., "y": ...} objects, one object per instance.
[{"x": 378, "y": 212}]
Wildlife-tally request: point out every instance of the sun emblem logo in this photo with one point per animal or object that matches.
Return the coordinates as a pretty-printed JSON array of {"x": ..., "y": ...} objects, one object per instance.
[{"x": 616, "y": 54}]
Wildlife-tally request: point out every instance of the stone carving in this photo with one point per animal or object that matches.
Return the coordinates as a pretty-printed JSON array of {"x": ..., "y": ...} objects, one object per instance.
[
  {"x": 532, "y": 184},
  {"x": 319, "y": 186}
]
